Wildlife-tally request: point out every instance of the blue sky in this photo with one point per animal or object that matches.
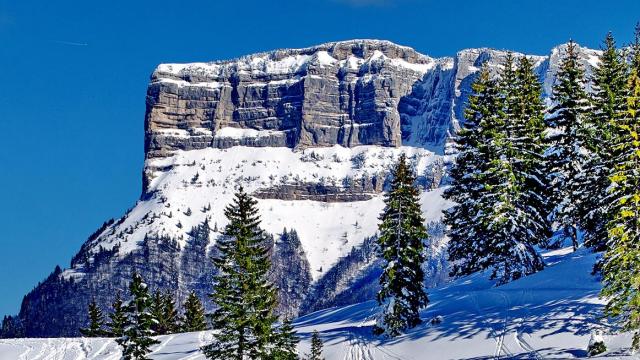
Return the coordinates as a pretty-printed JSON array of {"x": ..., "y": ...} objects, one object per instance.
[{"x": 74, "y": 75}]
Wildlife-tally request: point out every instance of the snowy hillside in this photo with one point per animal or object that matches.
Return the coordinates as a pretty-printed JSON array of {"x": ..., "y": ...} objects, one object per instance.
[
  {"x": 196, "y": 185},
  {"x": 544, "y": 316}
]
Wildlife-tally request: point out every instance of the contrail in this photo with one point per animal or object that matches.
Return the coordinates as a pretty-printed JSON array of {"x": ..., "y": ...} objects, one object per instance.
[{"x": 70, "y": 43}]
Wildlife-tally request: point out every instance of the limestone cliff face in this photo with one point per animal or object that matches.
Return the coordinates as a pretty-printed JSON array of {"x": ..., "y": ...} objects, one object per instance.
[
  {"x": 289, "y": 109},
  {"x": 344, "y": 93}
]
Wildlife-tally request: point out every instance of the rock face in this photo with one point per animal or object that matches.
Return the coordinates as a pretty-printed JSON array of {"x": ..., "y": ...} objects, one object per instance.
[{"x": 312, "y": 133}]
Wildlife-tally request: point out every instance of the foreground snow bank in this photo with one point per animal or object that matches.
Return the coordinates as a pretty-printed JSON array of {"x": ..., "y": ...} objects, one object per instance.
[{"x": 547, "y": 315}]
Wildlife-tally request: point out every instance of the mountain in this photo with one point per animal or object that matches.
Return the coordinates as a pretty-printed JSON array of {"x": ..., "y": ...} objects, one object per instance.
[
  {"x": 312, "y": 134},
  {"x": 548, "y": 315}
]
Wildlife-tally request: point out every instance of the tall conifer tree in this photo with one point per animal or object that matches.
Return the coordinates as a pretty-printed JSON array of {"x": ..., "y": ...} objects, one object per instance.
[
  {"x": 194, "y": 317},
  {"x": 118, "y": 317},
  {"x": 316, "y": 347},
  {"x": 609, "y": 105},
  {"x": 400, "y": 245},
  {"x": 244, "y": 297},
  {"x": 137, "y": 340},
  {"x": 621, "y": 266},
  {"x": 568, "y": 140},
  {"x": 96, "y": 322},
  {"x": 468, "y": 241}
]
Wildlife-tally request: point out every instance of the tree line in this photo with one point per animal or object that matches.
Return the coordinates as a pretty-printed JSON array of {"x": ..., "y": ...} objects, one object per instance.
[{"x": 530, "y": 177}]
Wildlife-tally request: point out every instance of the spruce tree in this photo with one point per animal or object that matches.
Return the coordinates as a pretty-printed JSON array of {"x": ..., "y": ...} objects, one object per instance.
[
  {"x": 137, "y": 339},
  {"x": 242, "y": 293},
  {"x": 504, "y": 212},
  {"x": 316, "y": 347},
  {"x": 608, "y": 99},
  {"x": 96, "y": 322},
  {"x": 285, "y": 342},
  {"x": 567, "y": 137},
  {"x": 118, "y": 316},
  {"x": 466, "y": 235},
  {"x": 621, "y": 264},
  {"x": 498, "y": 180},
  {"x": 164, "y": 312},
  {"x": 401, "y": 247},
  {"x": 194, "y": 317}
]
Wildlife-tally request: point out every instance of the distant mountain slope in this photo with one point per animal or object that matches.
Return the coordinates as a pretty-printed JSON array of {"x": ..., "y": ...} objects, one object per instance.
[
  {"x": 548, "y": 315},
  {"x": 312, "y": 133}
]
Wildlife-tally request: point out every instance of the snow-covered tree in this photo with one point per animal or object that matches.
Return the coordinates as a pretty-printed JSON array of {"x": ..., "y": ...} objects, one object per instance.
[
  {"x": 609, "y": 105},
  {"x": 136, "y": 340},
  {"x": 118, "y": 317},
  {"x": 466, "y": 234},
  {"x": 194, "y": 317},
  {"x": 244, "y": 297},
  {"x": 498, "y": 181},
  {"x": 96, "y": 322},
  {"x": 401, "y": 247},
  {"x": 621, "y": 265},
  {"x": 567, "y": 153}
]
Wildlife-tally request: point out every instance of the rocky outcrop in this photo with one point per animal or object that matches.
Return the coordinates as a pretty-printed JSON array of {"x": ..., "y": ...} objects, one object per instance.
[{"x": 343, "y": 93}]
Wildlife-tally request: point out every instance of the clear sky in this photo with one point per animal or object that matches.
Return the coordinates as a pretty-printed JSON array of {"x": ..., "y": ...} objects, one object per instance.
[{"x": 73, "y": 76}]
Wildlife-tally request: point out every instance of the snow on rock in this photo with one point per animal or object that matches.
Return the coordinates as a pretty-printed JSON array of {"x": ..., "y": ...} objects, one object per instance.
[{"x": 186, "y": 185}]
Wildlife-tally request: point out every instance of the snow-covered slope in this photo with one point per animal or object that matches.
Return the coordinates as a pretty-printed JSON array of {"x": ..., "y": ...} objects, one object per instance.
[{"x": 549, "y": 315}]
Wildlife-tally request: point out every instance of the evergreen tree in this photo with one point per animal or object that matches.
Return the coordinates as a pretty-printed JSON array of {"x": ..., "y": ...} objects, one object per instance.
[
  {"x": 466, "y": 235},
  {"x": 194, "y": 317},
  {"x": 137, "y": 340},
  {"x": 528, "y": 147},
  {"x": 96, "y": 322},
  {"x": 119, "y": 320},
  {"x": 285, "y": 343},
  {"x": 501, "y": 210},
  {"x": 568, "y": 141},
  {"x": 400, "y": 245},
  {"x": 164, "y": 312},
  {"x": 244, "y": 298},
  {"x": 505, "y": 215},
  {"x": 621, "y": 266},
  {"x": 608, "y": 99},
  {"x": 316, "y": 347}
]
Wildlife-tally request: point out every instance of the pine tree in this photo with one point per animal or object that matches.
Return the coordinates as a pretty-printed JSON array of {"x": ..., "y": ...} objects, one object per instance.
[
  {"x": 244, "y": 298},
  {"x": 137, "y": 340},
  {"x": 285, "y": 342},
  {"x": 96, "y": 322},
  {"x": 567, "y": 137},
  {"x": 608, "y": 99},
  {"x": 465, "y": 231},
  {"x": 621, "y": 266},
  {"x": 194, "y": 317},
  {"x": 119, "y": 320},
  {"x": 316, "y": 347},
  {"x": 401, "y": 247}
]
